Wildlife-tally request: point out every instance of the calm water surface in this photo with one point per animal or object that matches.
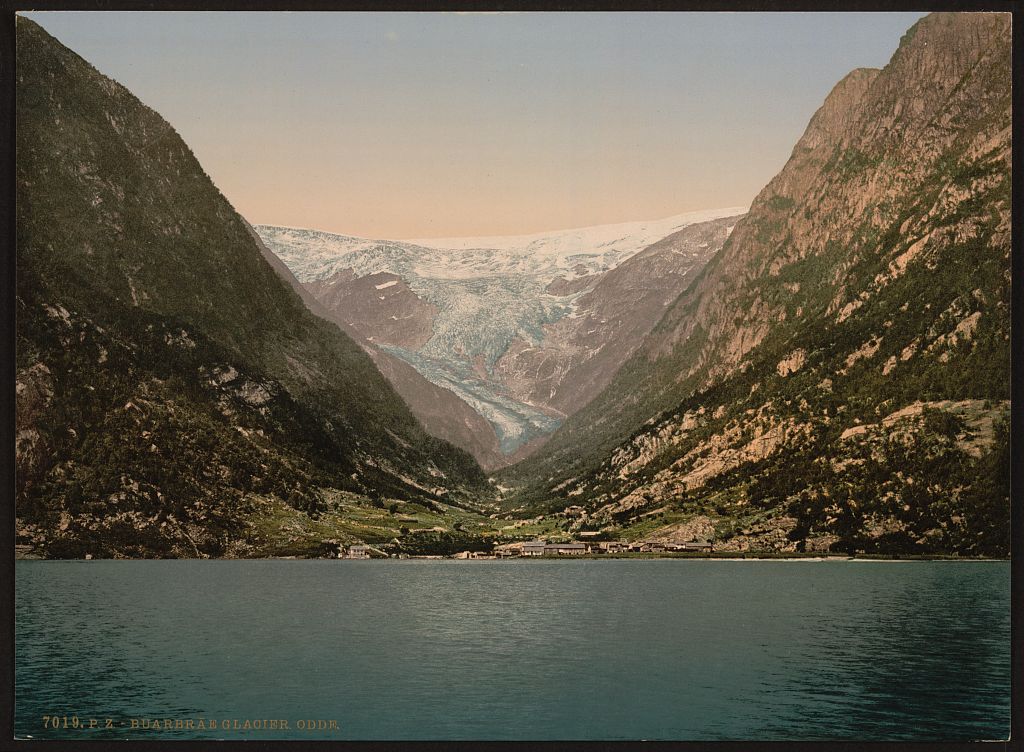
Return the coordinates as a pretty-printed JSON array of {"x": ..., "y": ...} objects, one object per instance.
[{"x": 618, "y": 649}]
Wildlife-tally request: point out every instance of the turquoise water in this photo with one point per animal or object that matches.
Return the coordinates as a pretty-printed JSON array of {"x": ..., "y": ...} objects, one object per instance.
[{"x": 618, "y": 649}]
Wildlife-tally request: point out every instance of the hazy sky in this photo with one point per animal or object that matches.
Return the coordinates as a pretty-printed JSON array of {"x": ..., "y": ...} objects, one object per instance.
[{"x": 403, "y": 125}]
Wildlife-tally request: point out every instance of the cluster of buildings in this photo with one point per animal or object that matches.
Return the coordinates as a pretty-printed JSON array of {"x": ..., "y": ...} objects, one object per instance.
[
  {"x": 543, "y": 548},
  {"x": 360, "y": 551},
  {"x": 576, "y": 548}
]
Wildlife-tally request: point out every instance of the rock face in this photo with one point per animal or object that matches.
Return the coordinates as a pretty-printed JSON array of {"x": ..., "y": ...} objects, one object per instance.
[
  {"x": 523, "y": 331},
  {"x": 579, "y": 354},
  {"x": 870, "y": 274},
  {"x": 167, "y": 375},
  {"x": 380, "y": 307},
  {"x": 441, "y": 413}
]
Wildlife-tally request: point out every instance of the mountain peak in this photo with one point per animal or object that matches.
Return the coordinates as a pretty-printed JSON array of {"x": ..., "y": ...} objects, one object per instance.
[
  {"x": 833, "y": 117},
  {"x": 868, "y": 283},
  {"x": 952, "y": 39}
]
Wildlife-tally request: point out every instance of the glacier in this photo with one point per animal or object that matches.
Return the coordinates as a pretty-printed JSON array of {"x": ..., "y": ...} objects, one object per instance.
[{"x": 488, "y": 291}]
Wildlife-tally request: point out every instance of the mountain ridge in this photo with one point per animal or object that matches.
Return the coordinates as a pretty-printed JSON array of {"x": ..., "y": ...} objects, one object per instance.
[
  {"x": 503, "y": 327},
  {"x": 149, "y": 322},
  {"x": 826, "y": 295},
  {"x": 827, "y": 373}
]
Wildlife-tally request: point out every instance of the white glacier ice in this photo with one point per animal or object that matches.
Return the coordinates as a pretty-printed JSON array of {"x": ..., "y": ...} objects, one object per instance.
[{"x": 487, "y": 290}]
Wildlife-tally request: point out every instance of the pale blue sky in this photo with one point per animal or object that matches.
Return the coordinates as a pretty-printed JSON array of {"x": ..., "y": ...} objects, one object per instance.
[{"x": 422, "y": 124}]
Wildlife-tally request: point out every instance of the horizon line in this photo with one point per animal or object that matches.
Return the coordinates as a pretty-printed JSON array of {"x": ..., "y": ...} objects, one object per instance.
[{"x": 723, "y": 212}]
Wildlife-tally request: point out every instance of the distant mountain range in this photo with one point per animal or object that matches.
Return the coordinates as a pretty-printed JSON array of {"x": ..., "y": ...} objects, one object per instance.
[
  {"x": 504, "y": 323},
  {"x": 826, "y": 372}
]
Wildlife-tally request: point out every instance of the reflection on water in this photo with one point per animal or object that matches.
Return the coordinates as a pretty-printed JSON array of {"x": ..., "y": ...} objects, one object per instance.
[{"x": 654, "y": 649}]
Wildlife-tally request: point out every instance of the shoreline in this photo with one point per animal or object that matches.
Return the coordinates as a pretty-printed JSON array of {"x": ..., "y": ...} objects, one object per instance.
[{"x": 761, "y": 557}]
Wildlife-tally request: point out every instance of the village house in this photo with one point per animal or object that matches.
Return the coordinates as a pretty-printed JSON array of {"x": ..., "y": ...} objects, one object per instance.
[
  {"x": 565, "y": 549},
  {"x": 661, "y": 547},
  {"x": 358, "y": 552},
  {"x": 654, "y": 547},
  {"x": 508, "y": 550},
  {"x": 697, "y": 546},
  {"x": 534, "y": 548}
]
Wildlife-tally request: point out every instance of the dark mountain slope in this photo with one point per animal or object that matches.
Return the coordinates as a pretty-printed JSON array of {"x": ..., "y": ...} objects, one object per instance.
[
  {"x": 166, "y": 373},
  {"x": 849, "y": 344}
]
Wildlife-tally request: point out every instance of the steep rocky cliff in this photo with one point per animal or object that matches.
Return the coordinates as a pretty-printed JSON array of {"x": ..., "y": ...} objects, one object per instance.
[
  {"x": 840, "y": 370},
  {"x": 168, "y": 379}
]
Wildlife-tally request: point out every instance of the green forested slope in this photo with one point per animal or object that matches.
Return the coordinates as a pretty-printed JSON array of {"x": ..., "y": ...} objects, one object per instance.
[{"x": 166, "y": 374}]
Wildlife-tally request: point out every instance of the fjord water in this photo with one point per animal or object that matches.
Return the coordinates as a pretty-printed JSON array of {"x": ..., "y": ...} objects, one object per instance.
[{"x": 617, "y": 649}]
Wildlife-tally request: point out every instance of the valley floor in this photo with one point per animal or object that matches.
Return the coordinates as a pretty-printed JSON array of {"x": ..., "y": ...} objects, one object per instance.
[{"x": 354, "y": 527}]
